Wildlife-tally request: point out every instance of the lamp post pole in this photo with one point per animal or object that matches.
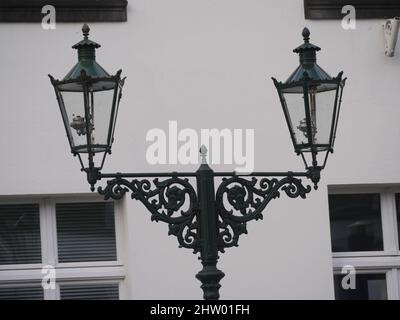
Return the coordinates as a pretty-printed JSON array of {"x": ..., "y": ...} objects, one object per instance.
[{"x": 208, "y": 220}]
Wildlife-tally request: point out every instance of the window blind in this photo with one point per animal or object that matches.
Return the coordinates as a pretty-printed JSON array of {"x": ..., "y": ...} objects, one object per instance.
[
  {"x": 20, "y": 234},
  {"x": 67, "y": 10},
  {"x": 21, "y": 293},
  {"x": 86, "y": 232},
  {"x": 89, "y": 292}
]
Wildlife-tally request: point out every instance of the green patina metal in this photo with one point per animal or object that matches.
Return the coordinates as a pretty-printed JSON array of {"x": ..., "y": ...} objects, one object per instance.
[
  {"x": 86, "y": 59},
  {"x": 308, "y": 62}
]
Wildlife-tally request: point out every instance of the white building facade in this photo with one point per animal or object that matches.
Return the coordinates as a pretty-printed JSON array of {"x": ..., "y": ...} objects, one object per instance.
[{"x": 204, "y": 64}]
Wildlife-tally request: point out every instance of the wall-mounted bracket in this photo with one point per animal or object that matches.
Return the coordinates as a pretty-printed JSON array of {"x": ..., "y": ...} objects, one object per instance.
[{"x": 390, "y": 32}]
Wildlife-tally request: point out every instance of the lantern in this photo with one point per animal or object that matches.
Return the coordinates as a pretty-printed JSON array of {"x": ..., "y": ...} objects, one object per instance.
[
  {"x": 311, "y": 99},
  {"x": 88, "y": 98}
]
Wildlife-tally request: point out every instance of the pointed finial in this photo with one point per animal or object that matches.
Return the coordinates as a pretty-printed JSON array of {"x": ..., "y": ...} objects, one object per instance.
[
  {"x": 306, "y": 35},
  {"x": 203, "y": 154},
  {"x": 85, "y": 30}
]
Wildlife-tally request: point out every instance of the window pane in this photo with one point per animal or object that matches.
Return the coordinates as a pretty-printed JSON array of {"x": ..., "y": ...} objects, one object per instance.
[
  {"x": 398, "y": 215},
  {"x": 86, "y": 232},
  {"x": 21, "y": 293},
  {"x": 355, "y": 221},
  {"x": 89, "y": 292},
  {"x": 20, "y": 234},
  {"x": 368, "y": 287}
]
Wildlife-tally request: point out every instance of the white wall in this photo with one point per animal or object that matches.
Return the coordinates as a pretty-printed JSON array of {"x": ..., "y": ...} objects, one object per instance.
[{"x": 206, "y": 64}]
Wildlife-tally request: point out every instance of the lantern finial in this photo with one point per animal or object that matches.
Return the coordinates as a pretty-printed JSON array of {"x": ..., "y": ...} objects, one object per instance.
[
  {"x": 306, "y": 35},
  {"x": 203, "y": 154},
  {"x": 306, "y": 46},
  {"x": 85, "y": 30}
]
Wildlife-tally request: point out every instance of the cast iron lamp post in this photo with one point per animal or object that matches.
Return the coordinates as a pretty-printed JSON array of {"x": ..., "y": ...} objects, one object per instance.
[{"x": 202, "y": 219}]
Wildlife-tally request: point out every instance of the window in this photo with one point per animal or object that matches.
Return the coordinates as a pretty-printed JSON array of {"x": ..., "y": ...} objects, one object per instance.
[
  {"x": 356, "y": 222},
  {"x": 107, "y": 291},
  {"x": 25, "y": 292},
  {"x": 66, "y": 10},
  {"x": 365, "y": 9},
  {"x": 368, "y": 287},
  {"x": 85, "y": 232},
  {"x": 79, "y": 237},
  {"x": 364, "y": 235},
  {"x": 398, "y": 213},
  {"x": 19, "y": 234}
]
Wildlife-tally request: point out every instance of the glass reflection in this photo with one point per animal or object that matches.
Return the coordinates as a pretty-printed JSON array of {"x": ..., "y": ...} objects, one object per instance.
[{"x": 355, "y": 221}]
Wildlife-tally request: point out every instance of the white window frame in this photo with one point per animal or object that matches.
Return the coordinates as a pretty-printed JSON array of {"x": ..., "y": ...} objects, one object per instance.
[
  {"x": 373, "y": 262},
  {"x": 94, "y": 272}
]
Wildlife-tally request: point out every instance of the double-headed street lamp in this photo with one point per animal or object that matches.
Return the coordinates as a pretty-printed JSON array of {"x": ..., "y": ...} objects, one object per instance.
[{"x": 202, "y": 219}]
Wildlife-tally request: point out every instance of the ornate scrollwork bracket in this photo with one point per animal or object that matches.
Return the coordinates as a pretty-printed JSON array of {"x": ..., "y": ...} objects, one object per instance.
[
  {"x": 239, "y": 200},
  {"x": 204, "y": 220},
  {"x": 172, "y": 200}
]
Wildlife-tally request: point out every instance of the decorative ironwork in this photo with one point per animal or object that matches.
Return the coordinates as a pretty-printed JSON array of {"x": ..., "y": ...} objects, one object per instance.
[
  {"x": 203, "y": 220},
  {"x": 173, "y": 201},
  {"x": 239, "y": 200}
]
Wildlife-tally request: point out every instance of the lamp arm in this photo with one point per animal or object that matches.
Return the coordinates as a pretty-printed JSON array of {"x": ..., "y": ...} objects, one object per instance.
[
  {"x": 165, "y": 200},
  {"x": 172, "y": 200},
  {"x": 240, "y": 200},
  {"x": 204, "y": 220}
]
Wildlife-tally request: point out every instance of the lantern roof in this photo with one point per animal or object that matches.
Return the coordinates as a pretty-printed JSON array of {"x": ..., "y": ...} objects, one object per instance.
[
  {"x": 86, "y": 59},
  {"x": 308, "y": 68}
]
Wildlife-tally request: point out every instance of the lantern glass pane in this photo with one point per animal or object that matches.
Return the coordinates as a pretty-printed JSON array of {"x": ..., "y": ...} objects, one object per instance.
[
  {"x": 118, "y": 95},
  {"x": 101, "y": 106},
  {"x": 336, "y": 115},
  {"x": 295, "y": 110},
  {"x": 74, "y": 118},
  {"x": 322, "y": 106}
]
